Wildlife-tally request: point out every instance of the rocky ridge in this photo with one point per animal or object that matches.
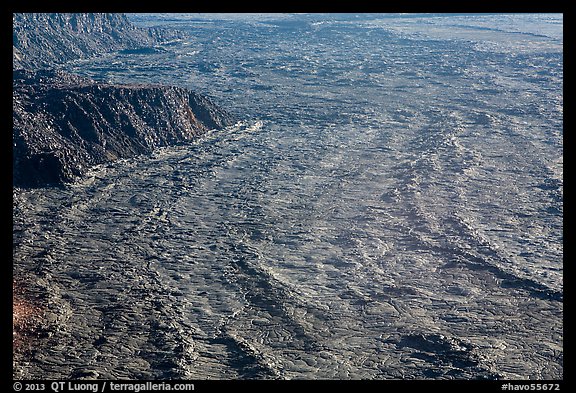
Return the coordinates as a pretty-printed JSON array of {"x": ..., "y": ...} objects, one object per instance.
[
  {"x": 63, "y": 123},
  {"x": 43, "y": 40}
]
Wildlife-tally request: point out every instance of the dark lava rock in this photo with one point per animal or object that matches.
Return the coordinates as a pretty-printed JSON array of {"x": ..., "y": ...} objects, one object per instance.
[
  {"x": 446, "y": 353},
  {"x": 63, "y": 124},
  {"x": 43, "y": 40}
]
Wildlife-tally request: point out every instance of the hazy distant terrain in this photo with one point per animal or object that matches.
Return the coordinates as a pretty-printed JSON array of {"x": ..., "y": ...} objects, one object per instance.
[{"x": 390, "y": 205}]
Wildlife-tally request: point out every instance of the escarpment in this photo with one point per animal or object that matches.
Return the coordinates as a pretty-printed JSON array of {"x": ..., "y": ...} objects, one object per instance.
[
  {"x": 63, "y": 123},
  {"x": 43, "y": 40}
]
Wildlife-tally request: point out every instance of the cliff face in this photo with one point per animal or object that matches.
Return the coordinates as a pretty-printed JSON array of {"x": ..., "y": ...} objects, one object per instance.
[
  {"x": 62, "y": 123},
  {"x": 45, "y": 40}
]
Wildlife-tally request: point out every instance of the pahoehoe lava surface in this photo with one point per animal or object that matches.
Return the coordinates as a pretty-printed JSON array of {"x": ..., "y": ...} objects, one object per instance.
[{"x": 390, "y": 206}]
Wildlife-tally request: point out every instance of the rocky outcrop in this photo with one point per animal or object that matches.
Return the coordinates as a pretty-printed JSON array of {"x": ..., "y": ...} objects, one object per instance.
[
  {"x": 49, "y": 39},
  {"x": 63, "y": 124}
]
